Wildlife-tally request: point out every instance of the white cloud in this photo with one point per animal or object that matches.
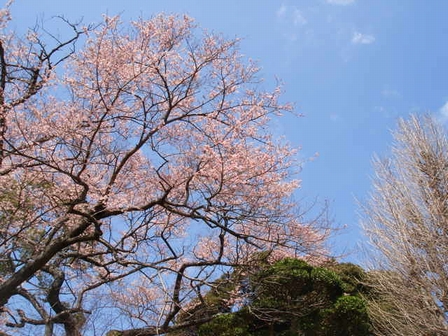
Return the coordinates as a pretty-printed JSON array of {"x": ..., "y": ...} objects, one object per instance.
[
  {"x": 444, "y": 111},
  {"x": 359, "y": 38},
  {"x": 291, "y": 14},
  {"x": 388, "y": 93},
  {"x": 334, "y": 117},
  {"x": 298, "y": 18},
  {"x": 341, "y": 2},
  {"x": 281, "y": 11}
]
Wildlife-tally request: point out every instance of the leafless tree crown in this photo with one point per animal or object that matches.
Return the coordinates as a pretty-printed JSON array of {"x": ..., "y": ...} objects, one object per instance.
[{"x": 406, "y": 220}]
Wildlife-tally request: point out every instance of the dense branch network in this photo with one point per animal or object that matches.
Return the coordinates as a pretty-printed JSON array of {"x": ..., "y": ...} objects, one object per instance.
[
  {"x": 135, "y": 176},
  {"x": 407, "y": 221}
]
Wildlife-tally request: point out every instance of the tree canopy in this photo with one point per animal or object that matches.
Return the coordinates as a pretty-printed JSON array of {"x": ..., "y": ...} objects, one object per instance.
[
  {"x": 406, "y": 219},
  {"x": 288, "y": 298},
  {"x": 134, "y": 169}
]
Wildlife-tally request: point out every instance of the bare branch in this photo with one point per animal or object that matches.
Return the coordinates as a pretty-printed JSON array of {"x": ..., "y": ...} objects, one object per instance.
[{"x": 407, "y": 220}]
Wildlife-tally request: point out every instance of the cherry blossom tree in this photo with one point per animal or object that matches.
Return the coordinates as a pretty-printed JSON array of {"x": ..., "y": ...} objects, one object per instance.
[{"x": 133, "y": 171}]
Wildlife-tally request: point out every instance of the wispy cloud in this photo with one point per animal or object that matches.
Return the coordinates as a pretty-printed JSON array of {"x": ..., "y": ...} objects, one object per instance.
[
  {"x": 334, "y": 117},
  {"x": 444, "y": 112},
  {"x": 281, "y": 12},
  {"x": 291, "y": 14},
  {"x": 359, "y": 38},
  {"x": 298, "y": 18},
  {"x": 388, "y": 93},
  {"x": 341, "y": 2}
]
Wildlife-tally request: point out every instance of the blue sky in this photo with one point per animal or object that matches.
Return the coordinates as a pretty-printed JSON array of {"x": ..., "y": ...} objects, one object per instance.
[{"x": 352, "y": 67}]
